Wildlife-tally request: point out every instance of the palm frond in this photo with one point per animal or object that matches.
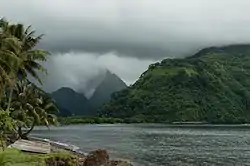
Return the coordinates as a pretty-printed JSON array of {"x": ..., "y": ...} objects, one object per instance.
[
  {"x": 11, "y": 44},
  {"x": 33, "y": 73},
  {"x": 31, "y": 42},
  {"x": 39, "y": 55},
  {"x": 5, "y": 66},
  {"x": 27, "y": 30},
  {"x": 19, "y": 31}
]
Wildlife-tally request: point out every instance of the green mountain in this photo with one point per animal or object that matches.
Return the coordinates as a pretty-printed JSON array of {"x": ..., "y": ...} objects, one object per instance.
[
  {"x": 211, "y": 86},
  {"x": 70, "y": 102},
  {"x": 110, "y": 84}
]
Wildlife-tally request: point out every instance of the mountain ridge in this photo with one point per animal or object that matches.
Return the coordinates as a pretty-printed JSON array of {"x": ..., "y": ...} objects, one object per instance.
[
  {"x": 213, "y": 85},
  {"x": 67, "y": 98}
]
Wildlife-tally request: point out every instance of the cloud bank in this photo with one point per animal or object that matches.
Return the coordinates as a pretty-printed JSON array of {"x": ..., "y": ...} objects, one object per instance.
[{"x": 140, "y": 31}]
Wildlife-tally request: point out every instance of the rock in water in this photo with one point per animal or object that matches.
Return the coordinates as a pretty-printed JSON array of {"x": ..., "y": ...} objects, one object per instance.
[{"x": 99, "y": 157}]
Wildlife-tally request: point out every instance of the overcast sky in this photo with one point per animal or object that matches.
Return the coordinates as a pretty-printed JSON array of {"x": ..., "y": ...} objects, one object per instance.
[{"x": 125, "y": 36}]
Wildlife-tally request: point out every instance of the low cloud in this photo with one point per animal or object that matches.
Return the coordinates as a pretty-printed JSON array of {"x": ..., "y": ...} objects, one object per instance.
[
  {"x": 82, "y": 70},
  {"x": 150, "y": 29}
]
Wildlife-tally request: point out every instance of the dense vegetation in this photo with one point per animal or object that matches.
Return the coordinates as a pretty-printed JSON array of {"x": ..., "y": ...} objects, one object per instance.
[
  {"x": 211, "y": 86},
  {"x": 22, "y": 104},
  {"x": 88, "y": 120},
  {"x": 97, "y": 120}
]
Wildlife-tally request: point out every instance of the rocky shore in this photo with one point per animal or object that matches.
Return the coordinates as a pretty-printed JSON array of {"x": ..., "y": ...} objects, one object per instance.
[{"x": 98, "y": 157}]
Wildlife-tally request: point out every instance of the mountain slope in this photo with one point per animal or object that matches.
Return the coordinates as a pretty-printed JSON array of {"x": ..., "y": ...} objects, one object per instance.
[
  {"x": 212, "y": 85},
  {"x": 110, "y": 84},
  {"x": 71, "y": 102}
]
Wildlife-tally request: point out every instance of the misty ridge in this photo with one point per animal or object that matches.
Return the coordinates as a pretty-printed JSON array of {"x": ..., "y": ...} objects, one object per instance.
[{"x": 78, "y": 103}]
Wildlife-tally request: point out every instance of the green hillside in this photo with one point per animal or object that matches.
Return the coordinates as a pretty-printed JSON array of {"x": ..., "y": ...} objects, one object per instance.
[{"x": 211, "y": 86}]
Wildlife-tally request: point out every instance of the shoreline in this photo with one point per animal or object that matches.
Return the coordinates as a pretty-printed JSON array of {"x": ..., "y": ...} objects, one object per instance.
[
  {"x": 98, "y": 154},
  {"x": 61, "y": 147},
  {"x": 165, "y": 124},
  {"x": 70, "y": 120}
]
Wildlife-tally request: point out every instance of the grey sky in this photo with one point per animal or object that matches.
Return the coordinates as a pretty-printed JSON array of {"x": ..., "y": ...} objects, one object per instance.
[{"x": 136, "y": 32}]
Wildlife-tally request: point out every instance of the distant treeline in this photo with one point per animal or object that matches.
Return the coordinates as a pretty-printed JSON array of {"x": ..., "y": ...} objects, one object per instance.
[{"x": 99, "y": 120}]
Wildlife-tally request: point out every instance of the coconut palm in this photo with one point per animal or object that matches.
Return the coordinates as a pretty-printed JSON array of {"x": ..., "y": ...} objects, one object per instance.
[
  {"x": 30, "y": 57},
  {"x": 47, "y": 110},
  {"x": 31, "y": 107},
  {"x": 21, "y": 45},
  {"x": 8, "y": 58}
]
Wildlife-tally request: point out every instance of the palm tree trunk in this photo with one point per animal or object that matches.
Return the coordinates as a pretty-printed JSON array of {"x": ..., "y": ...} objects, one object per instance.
[
  {"x": 19, "y": 131},
  {"x": 25, "y": 135},
  {"x": 2, "y": 87},
  {"x": 11, "y": 93},
  {"x": 10, "y": 98},
  {"x": 2, "y": 143}
]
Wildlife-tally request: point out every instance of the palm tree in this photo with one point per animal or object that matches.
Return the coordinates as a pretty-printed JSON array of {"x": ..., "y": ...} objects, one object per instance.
[
  {"x": 7, "y": 57},
  {"x": 30, "y": 57},
  {"x": 32, "y": 107},
  {"x": 47, "y": 111},
  {"x": 23, "y": 49}
]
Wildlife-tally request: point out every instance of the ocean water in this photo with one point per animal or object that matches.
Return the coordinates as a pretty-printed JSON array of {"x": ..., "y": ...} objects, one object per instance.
[{"x": 160, "y": 145}]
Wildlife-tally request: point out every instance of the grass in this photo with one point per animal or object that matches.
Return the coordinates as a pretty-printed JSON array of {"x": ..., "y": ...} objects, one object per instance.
[{"x": 14, "y": 157}]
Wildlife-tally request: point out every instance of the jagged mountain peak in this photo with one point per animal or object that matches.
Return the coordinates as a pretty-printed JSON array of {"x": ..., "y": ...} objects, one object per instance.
[{"x": 110, "y": 84}]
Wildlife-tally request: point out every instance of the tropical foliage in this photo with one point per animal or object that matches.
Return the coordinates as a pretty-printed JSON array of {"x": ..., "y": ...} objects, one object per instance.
[
  {"x": 212, "y": 86},
  {"x": 31, "y": 106},
  {"x": 88, "y": 120},
  {"x": 23, "y": 105},
  {"x": 6, "y": 125}
]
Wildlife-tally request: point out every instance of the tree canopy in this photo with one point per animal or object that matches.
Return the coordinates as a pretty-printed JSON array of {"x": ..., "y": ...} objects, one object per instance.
[{"x": 22, "y": 102}]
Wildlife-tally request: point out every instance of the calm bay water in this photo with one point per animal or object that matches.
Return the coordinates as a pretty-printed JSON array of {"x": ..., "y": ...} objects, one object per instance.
[{"x": 160, "y": 145}]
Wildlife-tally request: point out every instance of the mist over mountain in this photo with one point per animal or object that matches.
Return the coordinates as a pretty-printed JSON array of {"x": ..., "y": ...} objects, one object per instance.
[{"x": 71, "y": 102}]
